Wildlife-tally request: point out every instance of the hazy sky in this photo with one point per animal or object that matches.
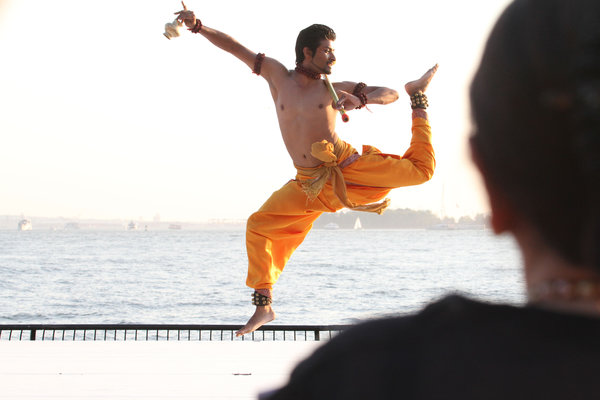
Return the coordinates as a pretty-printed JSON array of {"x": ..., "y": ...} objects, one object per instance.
[{"x": 102, "y": 117}]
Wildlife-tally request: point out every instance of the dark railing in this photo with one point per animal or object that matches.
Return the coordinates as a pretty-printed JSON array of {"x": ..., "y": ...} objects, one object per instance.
[{"x": 146, "y": 332}]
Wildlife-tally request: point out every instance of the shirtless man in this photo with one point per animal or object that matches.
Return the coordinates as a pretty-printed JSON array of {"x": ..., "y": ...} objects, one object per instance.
[{"x": 331, "y": 174}]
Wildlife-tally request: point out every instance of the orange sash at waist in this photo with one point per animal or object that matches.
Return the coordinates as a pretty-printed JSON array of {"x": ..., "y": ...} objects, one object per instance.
[{"x": 334, "y": 158}]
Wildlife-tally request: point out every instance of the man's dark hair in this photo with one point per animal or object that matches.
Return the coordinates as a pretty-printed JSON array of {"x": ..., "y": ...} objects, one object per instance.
[
  {"x": 311, "y": 37},
  {"x": 536, "y": 106}
]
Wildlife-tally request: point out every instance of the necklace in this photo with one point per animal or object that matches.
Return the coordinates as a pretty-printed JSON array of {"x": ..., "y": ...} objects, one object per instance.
[
  {"x": 307, "y": 72},
  {"x": 566, "y": 290}
]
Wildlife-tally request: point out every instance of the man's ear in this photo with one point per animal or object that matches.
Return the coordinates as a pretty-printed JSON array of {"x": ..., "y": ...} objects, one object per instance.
[
  {"x": 503, "y": 218},
  {"x": 308, "y": 54}
]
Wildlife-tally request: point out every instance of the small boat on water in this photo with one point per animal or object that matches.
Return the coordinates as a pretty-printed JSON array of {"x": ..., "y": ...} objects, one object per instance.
[
  {"x": 357, "y": 224},
  {"x": 24, "y": 225},
  {"x": 442, "y": 227},
  {"x": 71, "y": 226},
  {"x": 132, "y": 226},
  {"x": 331, "y": 225}
]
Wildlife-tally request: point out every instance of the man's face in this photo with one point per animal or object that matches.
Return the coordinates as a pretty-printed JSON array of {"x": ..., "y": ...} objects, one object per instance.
[{"x": 323, "y": 59}]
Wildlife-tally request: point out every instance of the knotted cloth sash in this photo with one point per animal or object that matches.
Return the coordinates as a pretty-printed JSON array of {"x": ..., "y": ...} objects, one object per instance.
[{"x": 314, "y": 179}]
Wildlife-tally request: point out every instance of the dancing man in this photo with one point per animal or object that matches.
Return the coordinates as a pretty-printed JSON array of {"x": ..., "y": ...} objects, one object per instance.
[{"x": 331, "y": 175}]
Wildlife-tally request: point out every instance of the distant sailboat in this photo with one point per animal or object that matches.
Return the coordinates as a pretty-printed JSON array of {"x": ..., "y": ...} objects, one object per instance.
[
  {"x": 443, "y": 225},
  {"x": 357, "y": 224},
  {"x": 24, "y": 225}
]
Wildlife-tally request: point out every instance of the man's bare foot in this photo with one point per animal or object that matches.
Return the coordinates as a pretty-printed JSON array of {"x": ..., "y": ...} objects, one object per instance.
[
  {"x": 421, "y": 84},
  {"x": 262, "y": 315}
]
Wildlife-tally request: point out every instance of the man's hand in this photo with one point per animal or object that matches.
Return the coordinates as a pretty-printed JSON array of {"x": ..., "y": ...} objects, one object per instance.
[
  {"x": 186, "y": 16},
  {"x": 347, "y": 101}
]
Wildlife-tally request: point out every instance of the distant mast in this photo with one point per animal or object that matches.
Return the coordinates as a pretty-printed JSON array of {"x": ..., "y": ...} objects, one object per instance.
[{"x": 443, "y": 203}]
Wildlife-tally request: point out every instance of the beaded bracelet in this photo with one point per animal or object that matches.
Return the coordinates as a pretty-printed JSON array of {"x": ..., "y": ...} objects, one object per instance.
[
  {"x": 418, "y": 100},
  {"x": 363, "y": 100},
  {"x": 360, "y": 86},
  {"x": 197, "y": 27},
  {"x": 358, "y": 92},
  {"x": 258, "y": 63},
  {"x": 260, "y": 299}
]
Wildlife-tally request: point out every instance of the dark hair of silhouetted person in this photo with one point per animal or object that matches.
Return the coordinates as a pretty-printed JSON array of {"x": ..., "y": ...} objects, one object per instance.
[{"x": 536, "y": 111}]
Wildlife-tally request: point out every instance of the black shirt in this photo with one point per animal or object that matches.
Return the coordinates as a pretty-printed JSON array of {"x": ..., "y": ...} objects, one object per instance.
[{"x": 457, "y": 348}]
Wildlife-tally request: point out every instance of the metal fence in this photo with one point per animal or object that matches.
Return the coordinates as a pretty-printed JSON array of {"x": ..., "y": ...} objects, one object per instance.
[{"x": 148, "y": 332}]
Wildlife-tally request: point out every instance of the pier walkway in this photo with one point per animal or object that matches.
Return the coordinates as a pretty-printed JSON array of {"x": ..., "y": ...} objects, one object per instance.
[{"x": 149, "y": 361}]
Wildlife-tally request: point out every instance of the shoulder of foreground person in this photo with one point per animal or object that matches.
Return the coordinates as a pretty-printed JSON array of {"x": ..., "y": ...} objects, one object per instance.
[
  {"x": 453, "y": 347},
  {"x": 367, "y": 360}
]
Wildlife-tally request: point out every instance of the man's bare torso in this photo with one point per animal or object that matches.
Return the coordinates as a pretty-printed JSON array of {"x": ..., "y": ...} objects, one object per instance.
[{"x": 306, "y": 115}]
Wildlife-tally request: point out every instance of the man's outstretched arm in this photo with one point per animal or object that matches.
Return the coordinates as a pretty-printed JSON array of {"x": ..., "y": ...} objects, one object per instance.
[
  {"x": 270, "y": 68},
  {"x": 357, "y": 95}
]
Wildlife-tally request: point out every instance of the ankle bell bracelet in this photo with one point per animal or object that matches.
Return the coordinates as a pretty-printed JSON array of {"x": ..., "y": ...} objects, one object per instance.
[{"x": 418, "y": 100}]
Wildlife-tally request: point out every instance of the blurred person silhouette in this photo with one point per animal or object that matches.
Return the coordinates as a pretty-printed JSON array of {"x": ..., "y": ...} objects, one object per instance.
[{"x": 535, "y": 102}]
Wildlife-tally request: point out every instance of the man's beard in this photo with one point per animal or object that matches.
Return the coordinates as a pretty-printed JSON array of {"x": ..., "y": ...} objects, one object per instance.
[{"x": 326, "y": 70}]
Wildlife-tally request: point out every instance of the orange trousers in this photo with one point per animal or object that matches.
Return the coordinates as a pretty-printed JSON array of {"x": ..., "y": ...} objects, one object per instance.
[{"x": 275, "y": 231}]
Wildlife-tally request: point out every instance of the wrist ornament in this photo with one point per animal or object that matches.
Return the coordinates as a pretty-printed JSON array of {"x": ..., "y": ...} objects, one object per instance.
[
  {"x": 363, "y": 100},
  {"x": 418, "y": 100},
  {"x": 358, "y": 92},
  {"x": 197, "y": 27},
  {"x": 258, "y": 63}
]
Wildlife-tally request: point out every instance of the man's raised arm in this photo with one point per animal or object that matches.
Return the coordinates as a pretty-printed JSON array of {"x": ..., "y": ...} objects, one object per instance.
[{"x": 225, "y": 42}]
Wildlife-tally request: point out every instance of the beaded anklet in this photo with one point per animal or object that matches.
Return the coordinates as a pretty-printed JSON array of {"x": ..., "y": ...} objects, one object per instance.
[
  {"x": 418, "y": 100},
  {"x": 260, "y": 299}
]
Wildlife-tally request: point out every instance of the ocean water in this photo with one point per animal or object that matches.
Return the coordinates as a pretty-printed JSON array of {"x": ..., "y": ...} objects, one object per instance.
[{"x": 198, "y": 277}]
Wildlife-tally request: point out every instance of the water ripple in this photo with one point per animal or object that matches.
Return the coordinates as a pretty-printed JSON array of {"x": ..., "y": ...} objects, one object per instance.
[{"x": 199, "y": 277}]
